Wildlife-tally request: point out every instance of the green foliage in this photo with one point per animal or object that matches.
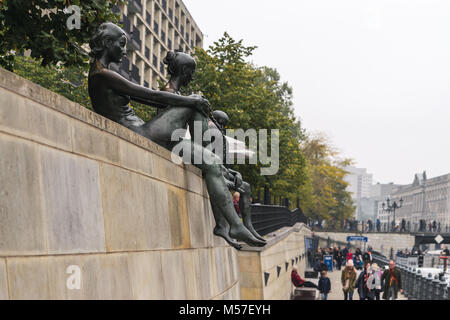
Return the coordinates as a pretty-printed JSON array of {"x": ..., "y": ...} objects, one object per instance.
[
  {"x": 40, "y": 26},
  {"x": 254, "y": 98},
  {"x": 326, "y": 194},
  {"x": 70, "y": 82}
]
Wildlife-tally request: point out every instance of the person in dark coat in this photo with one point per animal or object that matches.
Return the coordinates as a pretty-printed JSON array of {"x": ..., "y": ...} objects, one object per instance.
[
  {"x": 392, "y": 279},
  {"x": 324, "y": 285},
  {"x": 361, "y": 284}
]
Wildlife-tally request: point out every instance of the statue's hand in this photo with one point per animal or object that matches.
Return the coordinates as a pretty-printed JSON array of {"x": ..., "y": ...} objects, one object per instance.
[
  {"x": 230, "y": 184},
  {"x": 201, "y": 104},
  {"x": 238, "y": 180}
]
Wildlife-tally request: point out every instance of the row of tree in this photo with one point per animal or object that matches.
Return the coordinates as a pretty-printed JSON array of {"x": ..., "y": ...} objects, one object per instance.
[{"x": 254, "y": 98}]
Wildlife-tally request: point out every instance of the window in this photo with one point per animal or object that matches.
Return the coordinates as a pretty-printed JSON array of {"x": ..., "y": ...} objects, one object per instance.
[
  {"x": 155, "y": 61},
  {"x": 163, "y": 36},
  {"x": 156, "y": 27},
  {"x": 148, "y": 17}
]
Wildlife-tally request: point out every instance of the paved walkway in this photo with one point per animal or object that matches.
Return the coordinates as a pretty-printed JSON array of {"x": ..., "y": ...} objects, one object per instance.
[{"x": 336, "y": 287}]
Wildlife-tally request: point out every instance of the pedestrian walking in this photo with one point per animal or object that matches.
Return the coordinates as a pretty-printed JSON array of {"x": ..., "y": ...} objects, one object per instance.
[
  {"x": 392, "y": 282},
  {"x": 348, "y": 280},
  {"x": 324, "y": 285},
  {"x": 374, "y": 282},
  {"x": 338, "y": 258},
  {"x": 362, "y": 283}
]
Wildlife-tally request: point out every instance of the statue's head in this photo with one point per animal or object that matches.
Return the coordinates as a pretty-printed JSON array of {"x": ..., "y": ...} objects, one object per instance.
[
  {"x": 111, "y": 40},
  {"x": 180, "y": 65},
  {"x": 221, "y": 118}
]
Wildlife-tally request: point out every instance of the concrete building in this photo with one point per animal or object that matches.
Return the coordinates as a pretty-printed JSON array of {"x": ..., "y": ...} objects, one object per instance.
[
  {"x": 360, "y": 183},
  {"x": 155, "y": 27},
  {"x": 427, "y": 199}
]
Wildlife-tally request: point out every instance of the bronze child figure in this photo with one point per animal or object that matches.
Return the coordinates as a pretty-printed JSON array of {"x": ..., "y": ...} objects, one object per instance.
[{"x": 111, "y": 94}]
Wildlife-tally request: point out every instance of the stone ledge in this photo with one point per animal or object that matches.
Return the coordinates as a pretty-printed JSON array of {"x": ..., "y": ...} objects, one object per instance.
[
  {"x": 32, "y": 91},
  {"x": 276, "y": 237}
]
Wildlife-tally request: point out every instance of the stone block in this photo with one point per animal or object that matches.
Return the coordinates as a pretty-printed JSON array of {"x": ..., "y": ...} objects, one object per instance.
[
  {"x": 222, "y": 269},
  {"x": 249, "y": 262},
  {"x": 178, "y": 217},
  {"x": 106, "y": 277},
  {"x": 194, "y": 182},
  {"x": 135, "y": 158},
  {"x": 191, "y": 278},
  {"x": 135, "y": 210},
  {"x": 203, "y": 266},
  {"x": 173, "y": 272},
  {"x": 4, "y": 295},
  {"x": 28, "y": 278},
  {"x": 253, "y": 280},
  {"x": 233, "y": 264},
  {"x": 199, "y": 229},
  {"x": 94, "y": 143},
  {"x": 252, "y": 294},
  {"x": 146, "y": 275},
  {"x": 22, "y": 230},
  {"x": 167, "y": 171},
  {"x": 45, "y": 278},
  {"x": 73, "y": 205},
  {"x": 210, "y": 224},
  {"x": 29, "y": 119}
]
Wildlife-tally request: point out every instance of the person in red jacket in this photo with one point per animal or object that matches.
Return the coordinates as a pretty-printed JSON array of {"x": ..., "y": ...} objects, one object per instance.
[
  {"x": 298, "y": 282},
  {"x": 349, "y": 255}
]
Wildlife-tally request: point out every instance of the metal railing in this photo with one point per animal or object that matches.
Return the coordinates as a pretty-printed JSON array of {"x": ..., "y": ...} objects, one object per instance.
[{"x": 267, "y": 219}]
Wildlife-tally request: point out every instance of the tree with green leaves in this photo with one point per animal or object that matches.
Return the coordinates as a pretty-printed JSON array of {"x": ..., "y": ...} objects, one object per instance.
[
  {"x": 327, "y": 196},
  {"x": 40, "y": 26},
  {"x": 254, "y": 98}
]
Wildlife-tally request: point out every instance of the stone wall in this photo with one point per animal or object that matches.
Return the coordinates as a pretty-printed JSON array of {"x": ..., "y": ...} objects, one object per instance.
[
  {"x": 283, "y": 251},
  {"x": 79, "y": 190},
  {"x": 380, "y": 242}
]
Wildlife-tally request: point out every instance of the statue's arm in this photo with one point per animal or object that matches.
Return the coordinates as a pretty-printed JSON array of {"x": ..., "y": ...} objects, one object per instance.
[
  {"x": 150, "y": 103},
  {"x": 125, "y": 87}
]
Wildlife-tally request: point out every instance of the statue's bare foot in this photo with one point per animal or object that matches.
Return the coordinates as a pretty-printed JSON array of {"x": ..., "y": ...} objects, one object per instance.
[
  {"x": 220, "y": 232},
  {"x": 249, "y": 226},
  {"x": 241, "y": 233}
]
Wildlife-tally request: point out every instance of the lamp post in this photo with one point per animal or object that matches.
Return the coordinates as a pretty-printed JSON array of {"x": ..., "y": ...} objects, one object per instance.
[{"x": 388, "y": 207}]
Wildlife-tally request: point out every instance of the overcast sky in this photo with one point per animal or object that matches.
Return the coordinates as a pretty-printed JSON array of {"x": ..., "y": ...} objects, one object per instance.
[{"x": 374, "y": 75}]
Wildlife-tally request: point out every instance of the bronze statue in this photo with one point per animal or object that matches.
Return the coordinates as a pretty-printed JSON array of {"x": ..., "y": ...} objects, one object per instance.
[
  {"x": 233, "y": 178},
  {"x": 111, "y": 94}
]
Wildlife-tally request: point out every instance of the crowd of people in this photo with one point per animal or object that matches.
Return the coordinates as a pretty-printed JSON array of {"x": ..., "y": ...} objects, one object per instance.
[{"x": 372, "y": 282}]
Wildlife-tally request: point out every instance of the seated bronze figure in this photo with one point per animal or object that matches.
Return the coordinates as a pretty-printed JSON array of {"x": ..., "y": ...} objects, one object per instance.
[
  {"x": 111, "y": 94},
  {"x": 233, "y": 178}
]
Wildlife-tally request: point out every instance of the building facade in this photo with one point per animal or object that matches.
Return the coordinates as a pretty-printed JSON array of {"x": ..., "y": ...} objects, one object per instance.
[
  {"x": 154, "y": 28},
  {"x": 359, "y": 186},
  {"x": 427, "y": 199},
  {"x": 379, "y": 194}
]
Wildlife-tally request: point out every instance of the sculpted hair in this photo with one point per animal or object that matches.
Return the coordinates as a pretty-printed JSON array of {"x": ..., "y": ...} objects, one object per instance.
[
  {"x": 104, "y": 32},
  {"x": 176, "y": 60}
]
